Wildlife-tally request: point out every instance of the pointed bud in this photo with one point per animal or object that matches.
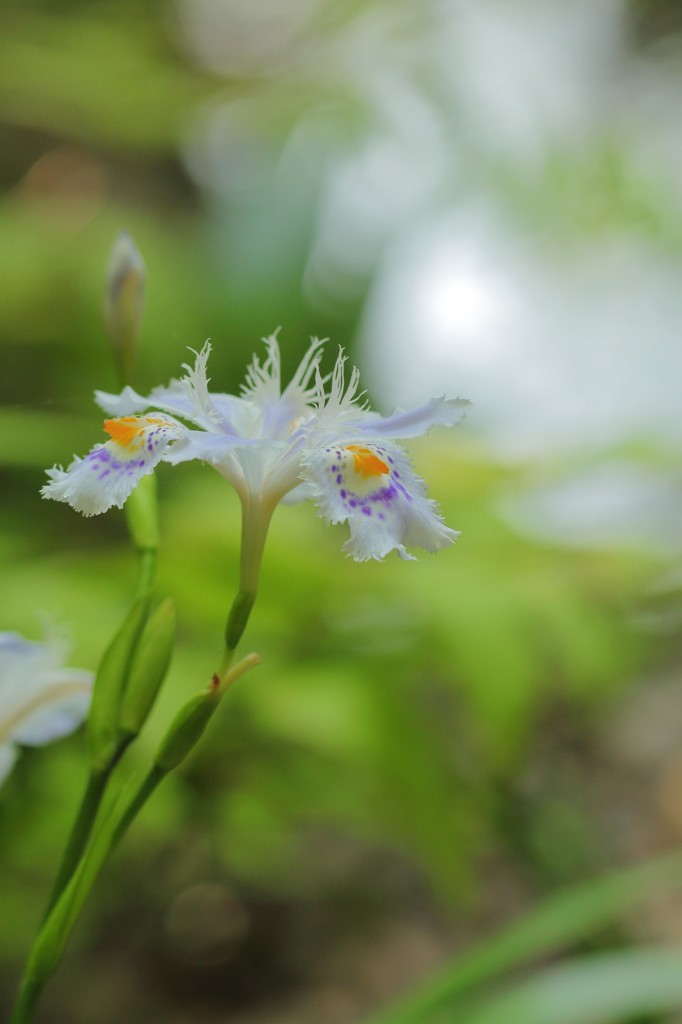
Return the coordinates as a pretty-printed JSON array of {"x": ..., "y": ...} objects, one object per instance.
[
  {"x": 124, "y": 301},
  {"x": 109, "y": 686},
  {"x": 187, "y": 728},
  {"x": 148, "y": 668},
  {"x": 189, "y": 724}
]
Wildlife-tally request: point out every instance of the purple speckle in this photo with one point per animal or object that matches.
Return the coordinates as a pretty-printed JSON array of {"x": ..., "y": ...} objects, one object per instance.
[
  {"x": 385, "y": 495},
  {"x": 103, "y": 474},
  {"x": 335, "y": 469},
  {"x": 397, "y": 475},
  {"x": 98, "y": 455},
  {"x": 352, "y": 503},
  {"x": 342, "y": 493},
  {"x": 339, "y": 479},
  {"x": 366, "y": 510}
]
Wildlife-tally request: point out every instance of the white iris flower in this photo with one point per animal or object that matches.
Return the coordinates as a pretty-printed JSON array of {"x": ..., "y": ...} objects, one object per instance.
[
  {"x": 39, "y": 699},
  {"x": 312, "y": 439}
]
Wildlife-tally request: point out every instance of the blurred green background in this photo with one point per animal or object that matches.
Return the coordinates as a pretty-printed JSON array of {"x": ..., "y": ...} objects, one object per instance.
[{"x": 481, "y": 199}]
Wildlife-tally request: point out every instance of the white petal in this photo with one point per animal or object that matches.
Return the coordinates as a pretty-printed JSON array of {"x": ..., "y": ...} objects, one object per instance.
[
  {"x": 373, "y": 487},
  {"x": 38, "y": 701},
  {"x": 195, "y": 384},
  {"x": 188, "y": 398},
  {"x": 340, "y": 403},
  {"x": 23, "y": 664},
  {"x": 15, "y": 650},
  {"x": 59, "y": 709},
  {"x": 264, "y": 381},
  {"x": 252, "y": 465},
  {"x": 280, "y": 413},
  {"x": 444, "y": 412},
  {"x": 208, "y": 447},
  {"x": 126, "y": 404},
  {"x": 111, "y": 471},
  {"x": 8, "y": 755},
  {"x": 300, "y": 385},
  {"x": 173, "y": 399},
  {"x": 302, "y": 492}
]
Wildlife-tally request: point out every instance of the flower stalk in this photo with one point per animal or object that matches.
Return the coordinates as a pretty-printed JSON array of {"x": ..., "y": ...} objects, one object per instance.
[
  {"x": 127, "y": 683},
  {"x": 183, "y": 734},
  {"x": 142, "y": 516},
  {"x": 314, "y": 438}
]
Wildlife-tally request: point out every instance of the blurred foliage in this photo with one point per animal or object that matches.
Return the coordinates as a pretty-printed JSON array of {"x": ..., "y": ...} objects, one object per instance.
[
  {"x": 406, "y": 735},
  {"x": 593, "y": 989},
  {"x": 396, "y": 702}
]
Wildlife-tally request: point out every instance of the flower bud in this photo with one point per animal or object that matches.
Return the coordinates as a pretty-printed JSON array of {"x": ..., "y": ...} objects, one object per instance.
[
  {"x": 187, "y": 728},
  {"x": 124, "y": 301},
  {"x": 189, "y": 724},
  {"x": 148, "y": 669},
  {"x": 109, "y": 686}
]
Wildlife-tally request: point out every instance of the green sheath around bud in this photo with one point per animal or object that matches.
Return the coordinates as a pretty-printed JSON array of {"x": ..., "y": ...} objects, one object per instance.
[
  {"x": 148, "y": 668},
  {"x": 187, "y": 728},
  {"x": 109, "y": 687}
]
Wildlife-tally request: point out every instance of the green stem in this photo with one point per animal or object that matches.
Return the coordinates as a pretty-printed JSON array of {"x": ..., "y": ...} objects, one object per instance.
[
  {"x": 85, "y": 820},
  {"x": 80, "y": 832},
  {"x": 256, "y": 516},
  {"x": 27, "y": 1000},
  {"x": 146, "y": 572},
  {"x": 149, "y": 783},
  {"x": 74, "y": 879},
  {"x": 183, "y": 734},
  {"x": 236, "y": 624},
  {"x": 51, "y": 940}
]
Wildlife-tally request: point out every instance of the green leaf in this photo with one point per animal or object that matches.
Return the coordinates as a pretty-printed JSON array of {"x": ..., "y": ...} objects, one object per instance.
[
  {"x": 561, "y": 920},
  {"x": 594, "y": 990}
]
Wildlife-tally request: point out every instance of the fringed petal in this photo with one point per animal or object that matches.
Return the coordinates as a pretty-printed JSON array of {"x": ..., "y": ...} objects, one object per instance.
[
  {"x": 39, "y": 700},
  {"x": 442, "y": 412},
  {"x": 373, "y": 487},
  {"x": 111, "y": 471}
]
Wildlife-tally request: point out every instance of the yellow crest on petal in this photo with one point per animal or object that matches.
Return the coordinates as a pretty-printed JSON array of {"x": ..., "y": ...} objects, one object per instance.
[
  {"x": 123, "y": 430},
  {"x": 127, "y": 429},
  {"x": 366, "y": 463}
]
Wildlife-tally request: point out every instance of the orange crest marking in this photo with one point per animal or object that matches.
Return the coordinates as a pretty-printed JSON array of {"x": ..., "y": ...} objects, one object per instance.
[
  {"x": 126, "y": 429},
  {"x": 366, "y": 463},
  {"x": 123, "y": 430}
]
